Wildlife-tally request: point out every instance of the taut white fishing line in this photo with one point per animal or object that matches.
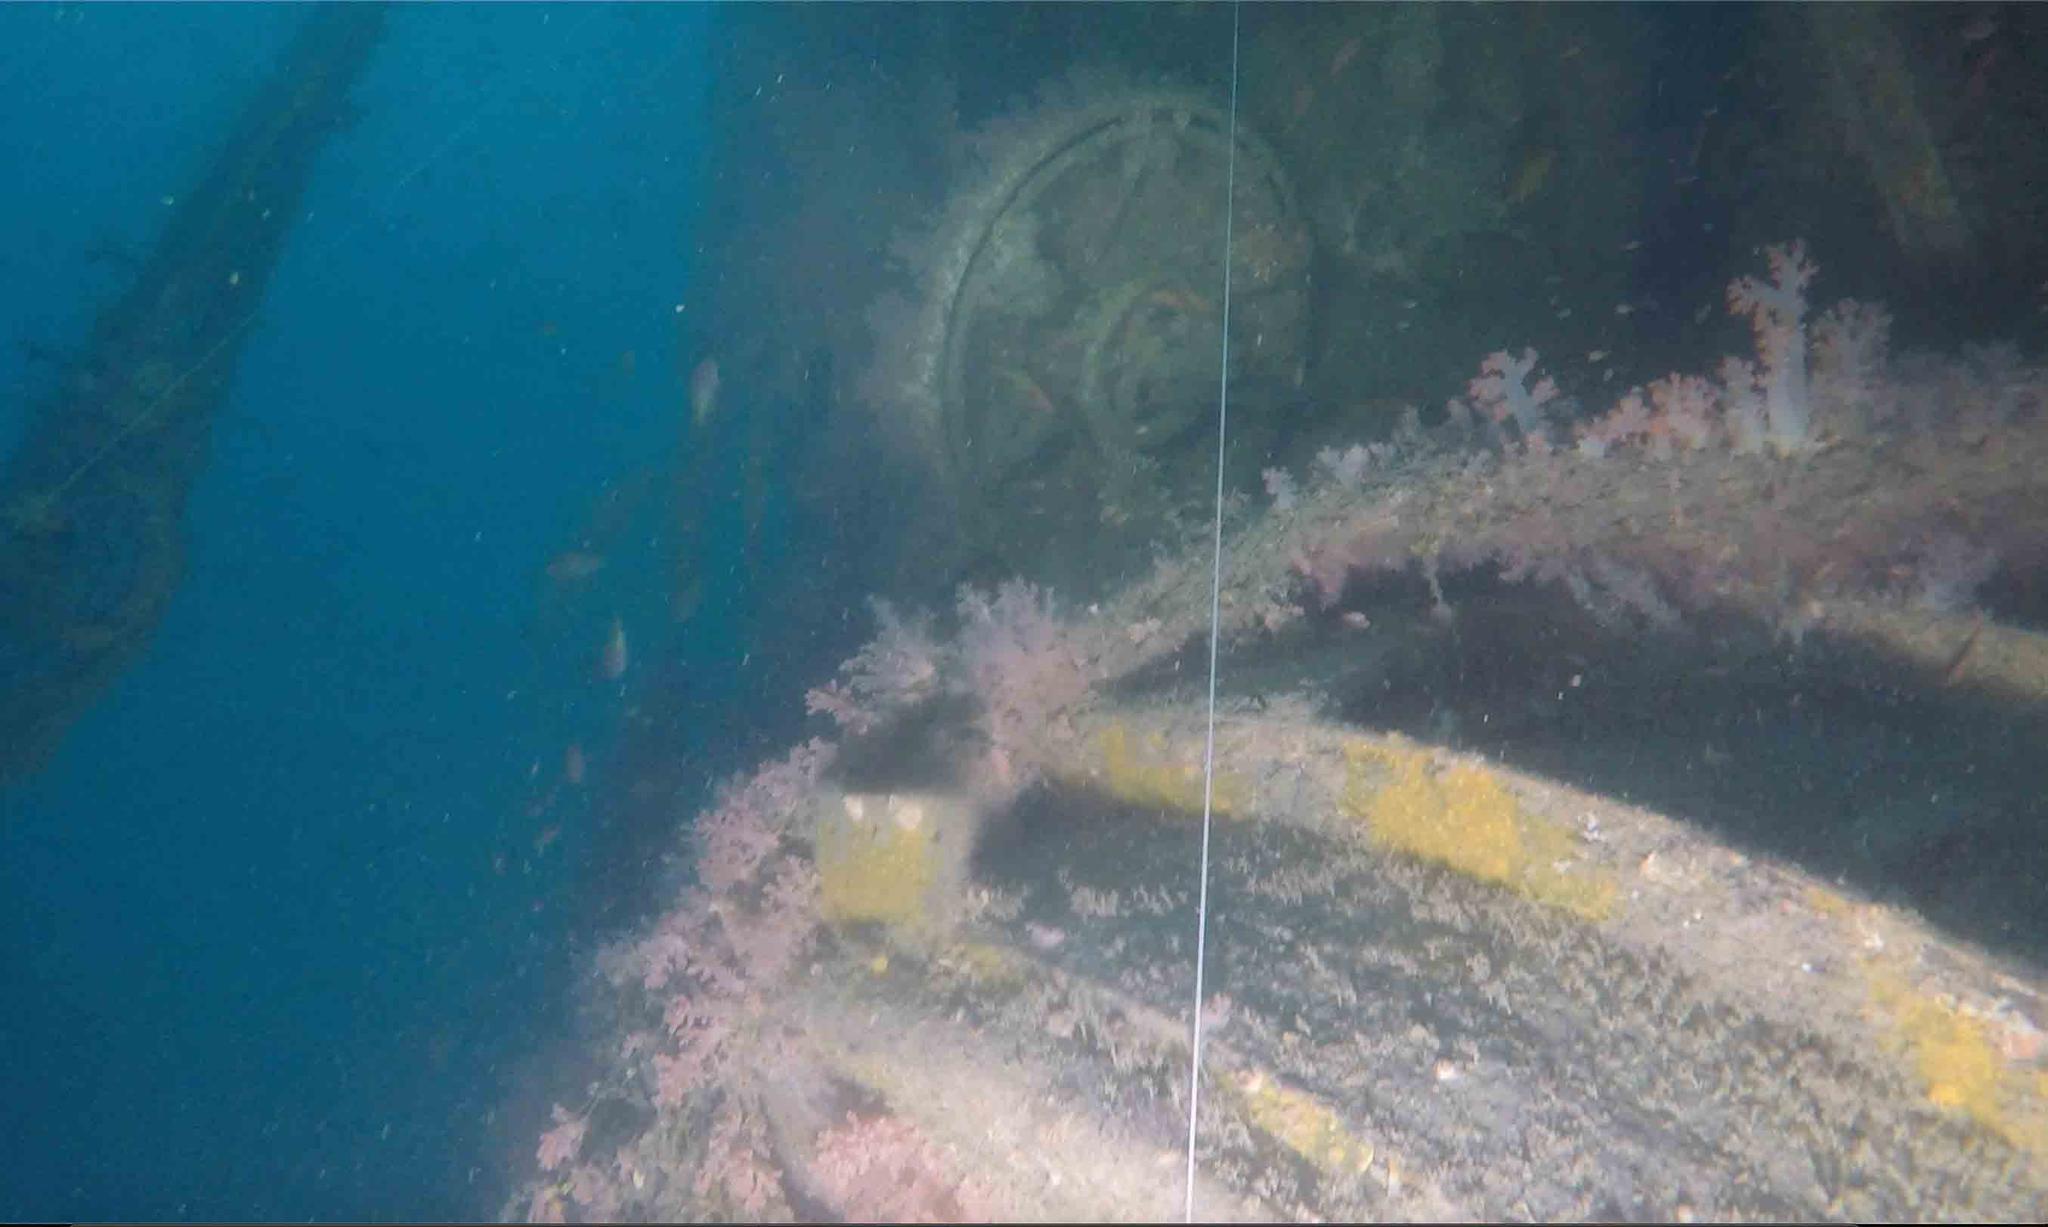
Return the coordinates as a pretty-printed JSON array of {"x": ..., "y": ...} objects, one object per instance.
[{"x": 1215, "y": 623}]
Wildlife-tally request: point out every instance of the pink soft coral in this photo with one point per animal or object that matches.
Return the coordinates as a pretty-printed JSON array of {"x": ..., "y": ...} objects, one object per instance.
[
  {"x": 560, "y": 1144},
  {"x": 882, "y": 1169},
  {"x": 1028, "y": 670},
  {"x": 897, "y": 669},
  {"x": 735, "y": 839}
]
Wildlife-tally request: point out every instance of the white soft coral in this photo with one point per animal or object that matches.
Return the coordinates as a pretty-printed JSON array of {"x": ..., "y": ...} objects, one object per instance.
[
  {"x": 1777, "y": 315},
  {"x": 1503, "y": 391}
]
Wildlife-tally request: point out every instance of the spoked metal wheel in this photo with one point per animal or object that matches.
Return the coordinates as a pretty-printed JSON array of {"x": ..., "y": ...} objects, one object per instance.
[{"x": 1069, "y": 330}]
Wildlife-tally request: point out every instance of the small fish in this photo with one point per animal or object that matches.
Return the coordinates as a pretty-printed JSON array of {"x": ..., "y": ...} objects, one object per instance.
[
  {"x": 1961, "y": 658},
  {"x": 615, "y": 657},
  {"x": 1043, "y": 936},
  {"x": 573, "y": 764},
  {"x": 704, "y": 391},
  {"x": 1345, "y": 54},
  {"x": 1532, "y": 176},
  {"x": 1183, "y": 302},
  {"x": 1029, "y": 391},
  {"x": 1979, "y": 79},
  {"x": 547, "y": 836},
  {"x": 569, "y": 567}
]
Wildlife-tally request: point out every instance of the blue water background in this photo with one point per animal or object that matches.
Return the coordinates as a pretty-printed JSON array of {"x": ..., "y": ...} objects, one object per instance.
[{"x": 277, "y": 931}]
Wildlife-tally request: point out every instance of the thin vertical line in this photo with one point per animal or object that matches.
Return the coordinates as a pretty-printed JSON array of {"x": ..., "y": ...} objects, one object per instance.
[{"x": 1215, "y": 631}]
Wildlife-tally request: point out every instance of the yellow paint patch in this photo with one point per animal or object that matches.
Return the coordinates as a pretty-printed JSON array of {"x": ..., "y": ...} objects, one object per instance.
[
  {"x": 1305, "y": 1125},
  {"x": 1827, "y": 902},
  {"x": 874, "y": 870},
  {"x": 1956, "y": 1059},
  {"x": 984, "y": 964},
  {"x": 1147, "y": 773},
  {"x": 1464, "y": 818}
]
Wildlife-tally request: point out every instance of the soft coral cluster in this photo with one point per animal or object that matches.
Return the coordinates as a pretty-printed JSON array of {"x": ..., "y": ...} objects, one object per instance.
[
  {"x": 1781, "y": 542},
  {"x": 1766, "y": 404},
  {"x": 709, "y": 966},
  {"x": 898, "y": 668},
  {"x": 752, "y": 814},
  {"x": 709, "y": 959},
  {"x": 883, "y": 1169},
  {"x": 1777, "y": 315},
  {"x": 736, "y": 1169},
  {"x": 1028, "y": 669},
  {"x": 1023, "y": 666},
  {"x": 560, "y": 1144},
  {"x": 1503, "y": 392}
]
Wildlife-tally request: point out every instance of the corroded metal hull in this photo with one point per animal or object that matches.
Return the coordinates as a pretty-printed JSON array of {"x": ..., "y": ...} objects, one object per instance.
[{"x": 92, "y": 503}]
